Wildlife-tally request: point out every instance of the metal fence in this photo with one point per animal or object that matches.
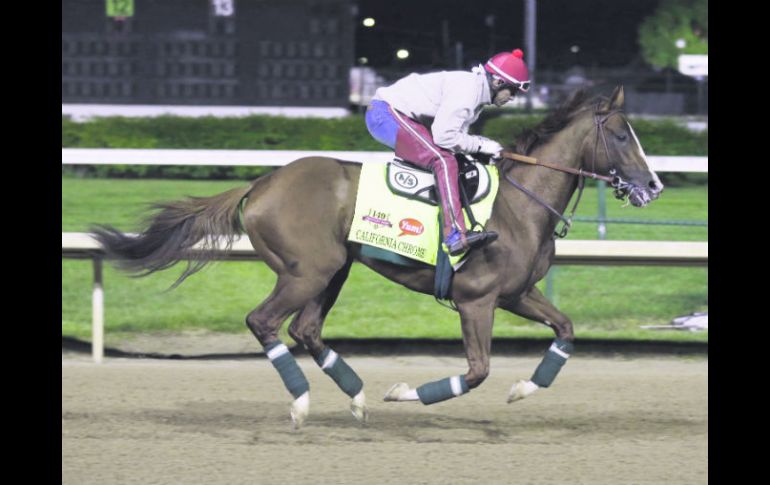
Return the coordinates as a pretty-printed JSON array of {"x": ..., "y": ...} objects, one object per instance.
[{"x": 602, "y": 220}]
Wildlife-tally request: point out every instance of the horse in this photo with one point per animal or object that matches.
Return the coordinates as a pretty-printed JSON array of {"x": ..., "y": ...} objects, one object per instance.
[{"x": 298, "y": 217}]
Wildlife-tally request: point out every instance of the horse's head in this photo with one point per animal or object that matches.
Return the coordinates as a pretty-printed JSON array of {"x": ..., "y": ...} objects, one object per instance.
[{"x": 615, "y": 150}]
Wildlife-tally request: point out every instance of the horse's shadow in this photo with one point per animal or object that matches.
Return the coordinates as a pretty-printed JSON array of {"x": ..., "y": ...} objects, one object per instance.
[
  {"x": 267, "y": 420},
  {"x": 410, "y": 423}
]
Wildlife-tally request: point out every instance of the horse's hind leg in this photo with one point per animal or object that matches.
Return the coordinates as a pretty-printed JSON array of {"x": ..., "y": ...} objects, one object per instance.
[
  {"x": 534, "y": 306},
  {"x": 477, "y": 317},
  {"x": 290, "y": 294},
  {"x": 306, "y": 329}
]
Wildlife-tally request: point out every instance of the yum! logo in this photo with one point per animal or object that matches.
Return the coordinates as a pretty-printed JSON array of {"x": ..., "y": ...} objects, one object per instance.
[{"x": 411, "y": 227}]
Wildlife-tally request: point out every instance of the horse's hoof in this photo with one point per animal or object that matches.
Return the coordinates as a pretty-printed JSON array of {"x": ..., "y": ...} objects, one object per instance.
[
  {"x": 522, "y": 389},
  {"x": 358, "y": 407},
  {"x": 300, "y": 409},
  {"x": 395, "y": 392}
]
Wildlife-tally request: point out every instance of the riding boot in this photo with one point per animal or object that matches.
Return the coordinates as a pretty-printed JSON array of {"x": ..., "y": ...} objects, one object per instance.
[{"x": 457, "y": 242}]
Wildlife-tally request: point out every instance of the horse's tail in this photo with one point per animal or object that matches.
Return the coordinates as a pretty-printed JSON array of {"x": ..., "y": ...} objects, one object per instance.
[{"x": 170, "y": 234}]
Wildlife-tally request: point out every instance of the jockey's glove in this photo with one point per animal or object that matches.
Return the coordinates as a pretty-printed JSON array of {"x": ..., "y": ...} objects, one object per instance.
[{"x": 490, "y": 147}]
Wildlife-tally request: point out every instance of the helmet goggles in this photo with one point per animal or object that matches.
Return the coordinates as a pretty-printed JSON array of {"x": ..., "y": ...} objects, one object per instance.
[{"x": 510, "y": 67}]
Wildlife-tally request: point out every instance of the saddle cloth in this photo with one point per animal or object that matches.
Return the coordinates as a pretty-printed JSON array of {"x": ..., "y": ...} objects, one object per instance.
[{"x": 404, "y": 222}]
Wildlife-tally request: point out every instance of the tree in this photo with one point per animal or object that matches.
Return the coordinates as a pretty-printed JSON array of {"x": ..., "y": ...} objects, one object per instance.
[{"x": 671, "y": 21}]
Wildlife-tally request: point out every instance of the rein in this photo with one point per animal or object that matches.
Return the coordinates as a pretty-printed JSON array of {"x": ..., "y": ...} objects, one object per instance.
[
  {"x": 574, "y": 171},
  {"x": 613, "y": 179}
]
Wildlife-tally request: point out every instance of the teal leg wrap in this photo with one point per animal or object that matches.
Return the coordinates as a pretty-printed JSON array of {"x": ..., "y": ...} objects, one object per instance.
[
  {"x": 554, "y": 359},
  {"x": 442, "y": 390},
  {"x": 287, "y": 368},
  {"x": 336, "y": 368}
]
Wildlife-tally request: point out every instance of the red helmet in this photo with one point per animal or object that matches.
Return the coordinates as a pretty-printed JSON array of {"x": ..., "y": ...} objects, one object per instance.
[{"x": 510, "y": 67}]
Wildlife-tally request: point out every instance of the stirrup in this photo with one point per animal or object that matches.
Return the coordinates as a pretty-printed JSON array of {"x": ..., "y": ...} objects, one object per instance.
[
  {"x": 477, "y": 239},
  {"x": 459, "y": 243}
]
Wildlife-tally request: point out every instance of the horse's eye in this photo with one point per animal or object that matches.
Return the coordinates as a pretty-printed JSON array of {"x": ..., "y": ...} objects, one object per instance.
[{"x": 621, "y": 137}]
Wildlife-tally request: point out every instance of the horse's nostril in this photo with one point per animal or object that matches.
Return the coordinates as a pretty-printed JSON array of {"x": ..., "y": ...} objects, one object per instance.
[{"x": 654, "y": 186}]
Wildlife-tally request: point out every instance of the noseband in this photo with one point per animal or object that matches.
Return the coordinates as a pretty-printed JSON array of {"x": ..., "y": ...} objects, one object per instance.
[{"x": 613, "y": 179}]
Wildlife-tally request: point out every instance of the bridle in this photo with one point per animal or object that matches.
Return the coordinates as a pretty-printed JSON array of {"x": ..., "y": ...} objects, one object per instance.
[{"x": 613, "y": 179}]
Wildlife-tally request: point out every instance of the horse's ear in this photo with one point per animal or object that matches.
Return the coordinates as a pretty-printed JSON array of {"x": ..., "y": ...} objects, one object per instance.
[{"x": 616, "y": 100}]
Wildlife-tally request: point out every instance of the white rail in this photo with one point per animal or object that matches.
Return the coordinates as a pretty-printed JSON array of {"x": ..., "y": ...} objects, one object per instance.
[{"x": 84, "y": 112}]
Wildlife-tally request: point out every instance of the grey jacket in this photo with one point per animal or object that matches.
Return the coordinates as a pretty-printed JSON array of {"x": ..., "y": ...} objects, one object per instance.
[{"x": 448, "y": 101}]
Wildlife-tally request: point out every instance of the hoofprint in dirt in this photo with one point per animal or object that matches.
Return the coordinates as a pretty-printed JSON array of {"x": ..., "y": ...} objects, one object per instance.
[{"x": 605, "y": 421}]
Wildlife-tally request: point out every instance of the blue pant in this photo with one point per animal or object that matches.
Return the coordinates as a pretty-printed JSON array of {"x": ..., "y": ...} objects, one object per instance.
[{"x": 381, "y": 123}]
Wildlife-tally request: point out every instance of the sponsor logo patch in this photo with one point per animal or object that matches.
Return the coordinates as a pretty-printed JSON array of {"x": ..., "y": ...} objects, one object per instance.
[
  {"x": 406, "y": 180},
  {"x": 378, "y": 218},
  {"x": 411, "y": 227}
]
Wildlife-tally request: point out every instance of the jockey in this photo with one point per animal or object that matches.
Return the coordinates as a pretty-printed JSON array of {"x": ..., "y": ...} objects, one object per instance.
[{"x": 448, "y": 102}]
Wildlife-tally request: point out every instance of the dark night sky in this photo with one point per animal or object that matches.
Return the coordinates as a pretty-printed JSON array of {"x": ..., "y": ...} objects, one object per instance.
[{"x": 605, "y": 30}]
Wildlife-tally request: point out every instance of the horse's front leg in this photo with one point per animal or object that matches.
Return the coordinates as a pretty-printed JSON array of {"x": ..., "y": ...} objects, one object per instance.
[
  {"x": 534, "y": 306},
  {"x": 477, "y": 317}
]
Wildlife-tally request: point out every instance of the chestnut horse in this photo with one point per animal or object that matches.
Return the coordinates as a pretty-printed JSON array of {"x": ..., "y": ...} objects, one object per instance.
[{"x": 298, "y": 219}]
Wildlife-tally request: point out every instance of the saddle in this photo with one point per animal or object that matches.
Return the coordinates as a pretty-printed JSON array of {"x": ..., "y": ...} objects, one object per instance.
[{"x": 413, "y": 182}]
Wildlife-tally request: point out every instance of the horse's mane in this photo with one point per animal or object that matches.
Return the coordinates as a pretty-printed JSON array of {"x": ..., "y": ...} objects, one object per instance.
[{"x": 555, "y": 121}]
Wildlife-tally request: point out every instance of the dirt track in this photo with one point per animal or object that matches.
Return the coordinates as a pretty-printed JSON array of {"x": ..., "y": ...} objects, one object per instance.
[{"x": 604, "y": 421}]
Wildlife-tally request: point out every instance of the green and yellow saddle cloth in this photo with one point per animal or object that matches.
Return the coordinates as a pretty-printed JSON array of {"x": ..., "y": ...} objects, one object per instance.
[{"x": 397, "y": 213}]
